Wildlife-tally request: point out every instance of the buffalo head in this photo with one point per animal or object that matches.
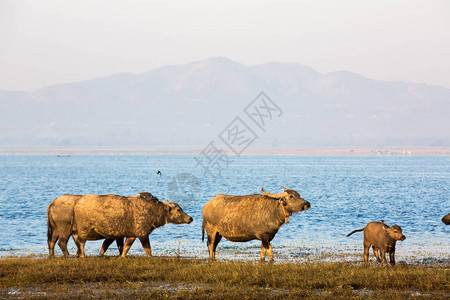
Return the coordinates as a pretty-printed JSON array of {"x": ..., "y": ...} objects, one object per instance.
[
  {"x": 175, "y": 214},
  {"x": 395, "y": 232},
  {"x": 290, "y": 199},
  {"x": 446, "y": 219}
]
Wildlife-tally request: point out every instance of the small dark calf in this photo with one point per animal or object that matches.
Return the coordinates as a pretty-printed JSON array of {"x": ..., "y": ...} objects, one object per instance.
[{"x": 382, "y": 238}]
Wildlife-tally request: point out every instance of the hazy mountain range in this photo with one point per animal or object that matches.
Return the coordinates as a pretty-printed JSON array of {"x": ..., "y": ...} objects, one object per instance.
[{"x": 191, "y": 104}]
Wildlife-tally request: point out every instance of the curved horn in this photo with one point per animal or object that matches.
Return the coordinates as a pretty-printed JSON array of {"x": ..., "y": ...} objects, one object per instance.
[
  {"x": 284, "y": 188},
  {"x": 168, "y": 203},
  {"x": 279, "y": 195},
  {"x": 165, "y": 202}
]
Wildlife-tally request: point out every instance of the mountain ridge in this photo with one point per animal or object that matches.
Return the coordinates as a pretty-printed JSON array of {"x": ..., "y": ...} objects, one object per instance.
[{"x": 191, "y": 104}]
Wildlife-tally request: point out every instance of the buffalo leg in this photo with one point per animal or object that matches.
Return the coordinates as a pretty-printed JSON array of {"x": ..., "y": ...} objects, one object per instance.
[
  {"x": 216, "y": 242},
  {"x": 375, "y": 251},
  {"x": 105, "y": 246},
  {"x": 392, "y": 256},
  {"x": 366, "y": 252},
  {"x": 210, "y": 244},
  {"x": 145, "y": 241},
  {"x": 75, "y": 238},
  {"x": 64, "y": 235},
  {"x": 270, "y": 252},
  {"x": 383, "y": 256},
  {"x": 80, "y": 235},
  {"x": 52, "y": 242},
  {"x": 80, "y": 246},
  {"x": 213, "y": 241},
  {"x": 127, "y": 246},
  {"x": 63, "y": 245},
  {"x": 119, "y": 242},
  {"x": 266, "y": 248}
]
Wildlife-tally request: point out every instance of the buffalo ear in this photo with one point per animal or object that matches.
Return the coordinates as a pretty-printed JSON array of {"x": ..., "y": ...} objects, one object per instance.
[
  {"x": 168, "y": 208},
  {"x": 283, "y": 201}
]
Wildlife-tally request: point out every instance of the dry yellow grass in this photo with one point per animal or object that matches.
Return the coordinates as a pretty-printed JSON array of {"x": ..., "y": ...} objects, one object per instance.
[{"x": 141, "y": 277}]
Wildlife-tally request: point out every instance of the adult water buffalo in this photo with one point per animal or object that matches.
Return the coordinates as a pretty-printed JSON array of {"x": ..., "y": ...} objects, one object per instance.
[
  {"x": 113, "y": 216},
  {"x": 59, "y": 225},
  {"x": 250, "y": 217},
  {"x": 446, "y": 219},
  {"x": 381, "y": 237}
]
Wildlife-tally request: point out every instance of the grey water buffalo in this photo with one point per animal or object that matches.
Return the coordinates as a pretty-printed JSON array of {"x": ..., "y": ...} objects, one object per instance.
[
  {"x": 250, "y": 217},
  {"x": 382, "y": 238},
  {"x": 113, "y": 216},
  {"x": 59, "y": 224},
  {"x": 446, "y": 219}
]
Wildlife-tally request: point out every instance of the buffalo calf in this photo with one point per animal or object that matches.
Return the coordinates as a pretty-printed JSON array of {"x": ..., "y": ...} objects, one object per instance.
[{"x": 382, "y": 238}]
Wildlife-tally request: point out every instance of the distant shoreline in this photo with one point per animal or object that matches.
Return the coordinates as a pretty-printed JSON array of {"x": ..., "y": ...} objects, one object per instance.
[{"x": 195, "y": 150}]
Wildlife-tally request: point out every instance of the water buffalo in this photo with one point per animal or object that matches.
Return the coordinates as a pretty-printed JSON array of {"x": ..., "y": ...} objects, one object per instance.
[
  {"x": 381, "y": 237},
  {"x": 113, "y": 216},
  {"x": 250, "y": 217},
  {"x": 59, "y": 224},
  {"x": 446, "y": 219}
]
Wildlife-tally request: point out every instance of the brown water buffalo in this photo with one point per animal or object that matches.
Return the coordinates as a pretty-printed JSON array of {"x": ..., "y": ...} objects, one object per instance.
[
  {"x": 59, "y": 224},
  {"x": 381, "y": 237},
  {"x": 446, "y": 219},
  {"x": 245, "y": 218},
  {"x": 113, "y": 216}
]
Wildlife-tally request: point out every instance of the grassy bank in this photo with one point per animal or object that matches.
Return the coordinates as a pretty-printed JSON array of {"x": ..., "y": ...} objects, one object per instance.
[{"x": 140, "y": 277}]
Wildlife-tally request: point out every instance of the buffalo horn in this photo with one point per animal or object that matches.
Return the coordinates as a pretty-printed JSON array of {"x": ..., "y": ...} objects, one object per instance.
[
  {"x": 279, "y": 195},
  {"x": 168, "y": 203},
  {"x": 284, "y": 188}
]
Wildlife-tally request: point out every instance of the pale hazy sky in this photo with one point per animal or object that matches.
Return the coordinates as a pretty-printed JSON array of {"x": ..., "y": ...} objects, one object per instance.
[{"x": 48, "y": 42}]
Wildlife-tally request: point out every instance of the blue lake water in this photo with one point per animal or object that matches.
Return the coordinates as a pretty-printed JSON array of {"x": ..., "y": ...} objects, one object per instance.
[{"x": 345, "y": 193}]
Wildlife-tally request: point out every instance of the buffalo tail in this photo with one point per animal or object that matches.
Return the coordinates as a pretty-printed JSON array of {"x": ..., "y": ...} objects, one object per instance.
[
  {"x": 355, "y": 231},
  {"x": 49, "y": 231},
  {"x": 49, "y": 228},
  {"x": 203, "y": 231}
]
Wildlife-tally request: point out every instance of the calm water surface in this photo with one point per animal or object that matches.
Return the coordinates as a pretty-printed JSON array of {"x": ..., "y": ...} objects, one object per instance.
[{"x": 345, "y": 194}]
